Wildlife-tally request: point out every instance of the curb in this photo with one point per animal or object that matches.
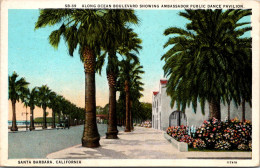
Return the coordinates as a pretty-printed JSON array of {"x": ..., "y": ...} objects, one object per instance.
[{"x": 181, "y": 146}]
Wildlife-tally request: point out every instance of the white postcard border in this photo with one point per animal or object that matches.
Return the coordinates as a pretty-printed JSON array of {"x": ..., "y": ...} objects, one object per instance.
[{"x": 30, "y": 4}]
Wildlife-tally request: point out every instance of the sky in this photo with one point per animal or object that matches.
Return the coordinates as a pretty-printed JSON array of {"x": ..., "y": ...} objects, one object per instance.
[{"x": 32, "y": 57}]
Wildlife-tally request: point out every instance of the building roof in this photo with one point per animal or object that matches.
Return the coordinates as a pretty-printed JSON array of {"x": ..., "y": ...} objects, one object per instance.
[
  {"x": 163, "y": 81},
  {"x": 155, "y": 93}
]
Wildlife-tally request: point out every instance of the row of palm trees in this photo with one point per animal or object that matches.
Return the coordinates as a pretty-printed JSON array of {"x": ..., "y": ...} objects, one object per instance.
[
  {"x": 210, "y": 60},
  {"x": 130, "y": 87},
  {"x": 97, "y": 34},
  {"x": 42, "y": 97}
]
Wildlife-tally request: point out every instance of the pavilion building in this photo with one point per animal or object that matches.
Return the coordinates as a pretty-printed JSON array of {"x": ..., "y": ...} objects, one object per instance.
[{"x": 164, "y": 116}]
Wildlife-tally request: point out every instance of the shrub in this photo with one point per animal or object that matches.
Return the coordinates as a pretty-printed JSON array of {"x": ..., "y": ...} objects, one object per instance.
[
  {"x": 198, "y": 143},
  {"x": 214, "y": 134},
  {"x": 179, "y": 133},
  {"x": 224, "y": 135}
]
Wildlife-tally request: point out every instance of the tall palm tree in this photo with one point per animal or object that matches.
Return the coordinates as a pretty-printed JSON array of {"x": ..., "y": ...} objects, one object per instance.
[
  {"x": 125, "y": 66},
  {"x": 54, "y": 105},
  {"x": 135, "y": 90},
  {"x": 44, "y": 101},
  {"x": 59, "y": 101},
  {"x": 15, "y": 89},
  {"x": 25, "y": 100},
  {"x": 115, "y": 36},
  {"x": 132, "y": 44},
  {"x": 202, "y": 58},
  {"x": 126, "y": 69},
  {"x": 112, "y": 72},
  {"x": 31, "y": 99},
  {"x": 83, "y": 28}
]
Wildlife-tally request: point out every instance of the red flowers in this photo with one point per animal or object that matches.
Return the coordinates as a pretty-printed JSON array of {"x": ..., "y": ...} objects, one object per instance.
[{"x": 215, "y": 134}]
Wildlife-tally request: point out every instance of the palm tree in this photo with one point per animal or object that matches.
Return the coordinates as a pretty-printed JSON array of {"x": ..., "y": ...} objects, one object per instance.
[
  {"x": 202, "y": 59},
  {"x": 44, "y": 101},
  {"x": 114, "y": 37},
  {"x": 25, "y": 100},
  {"x": 125, "y": 66},
  {"x": 31, "y": 99},
  {"x": 112, "y": 72},
  {"x": 54, "y": 105},
  {"x": 83, "y": 28},
  {"x": 133, "y": 71},
  {"x": 126, "y": 69},
  {"x": 15, "y": 90},
  {"x": 133, "y": 44},
  {"x": 135, "y": 90}
]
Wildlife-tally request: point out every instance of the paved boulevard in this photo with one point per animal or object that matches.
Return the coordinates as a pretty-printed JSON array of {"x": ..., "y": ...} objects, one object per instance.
[{"x": 37, "y": 144}]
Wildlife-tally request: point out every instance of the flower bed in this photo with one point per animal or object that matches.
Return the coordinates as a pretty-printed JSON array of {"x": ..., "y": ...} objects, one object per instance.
[
  {"x": 215, "y": 134},
  {"x": 180, "y": 133},
  {"x": 146, "y": 124}
]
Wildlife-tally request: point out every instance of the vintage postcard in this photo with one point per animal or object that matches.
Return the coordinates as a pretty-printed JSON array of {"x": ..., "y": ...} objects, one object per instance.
[{"x": 120, "y": 83}]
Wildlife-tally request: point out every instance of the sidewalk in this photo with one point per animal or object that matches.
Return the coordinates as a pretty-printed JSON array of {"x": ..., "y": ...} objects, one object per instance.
[{"x": 142, "y": 143}]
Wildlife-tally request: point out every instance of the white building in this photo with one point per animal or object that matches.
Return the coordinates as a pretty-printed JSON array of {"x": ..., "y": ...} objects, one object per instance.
[{"x": 164, "y": 116}]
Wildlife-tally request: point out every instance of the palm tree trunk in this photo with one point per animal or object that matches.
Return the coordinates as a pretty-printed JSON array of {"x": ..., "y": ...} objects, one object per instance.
[
  {"x": 131, "y": 116},
  {"x": 91, "y": 136},
  {"x": 53, "y": 119},
  {"x": 243, "y": 110},
  {"x": 14, "y": 126},
  {"x": 44, "y": 125},
  {"x": 214, "y": 109},
  {"x": 127, "y": 103},
  {"x": 31, "y": 120},
  {"x": 112, "y": 123}
]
